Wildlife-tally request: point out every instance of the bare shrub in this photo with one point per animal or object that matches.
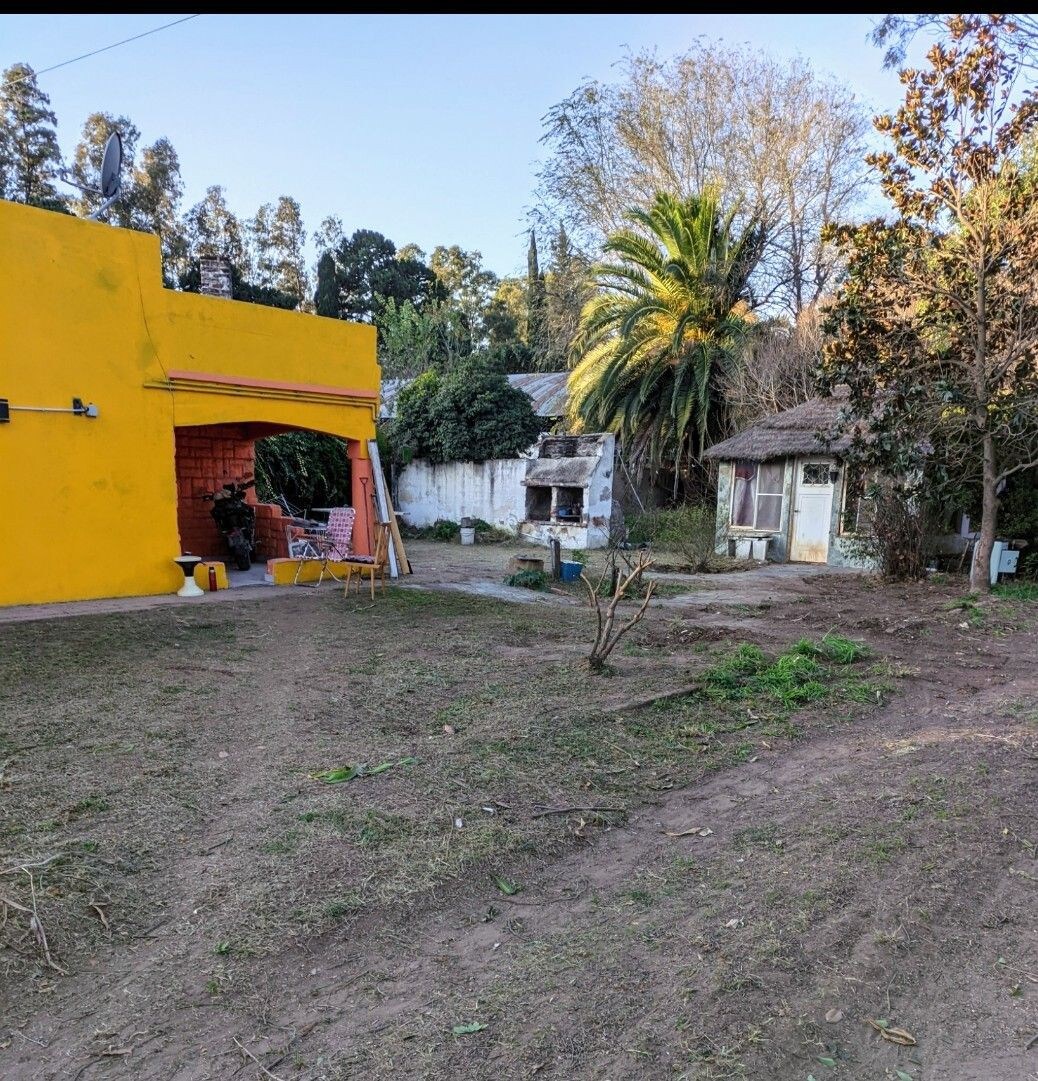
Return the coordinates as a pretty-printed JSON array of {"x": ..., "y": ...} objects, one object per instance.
[
  {"x": 898, "y": 534},
  {"x": 690, "y": 530},
  {"x": 607, "y": 632}
]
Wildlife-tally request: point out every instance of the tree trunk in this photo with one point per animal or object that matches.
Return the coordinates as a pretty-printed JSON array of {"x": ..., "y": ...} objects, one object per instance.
[{"x": 980, "y": 576}]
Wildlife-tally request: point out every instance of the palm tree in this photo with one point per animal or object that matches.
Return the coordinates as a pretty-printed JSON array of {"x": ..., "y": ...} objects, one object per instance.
[{"x": 667, "y": 323}]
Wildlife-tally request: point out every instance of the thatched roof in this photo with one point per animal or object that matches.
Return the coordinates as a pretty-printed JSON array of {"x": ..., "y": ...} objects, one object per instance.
[{"x": 789, "y": 433}]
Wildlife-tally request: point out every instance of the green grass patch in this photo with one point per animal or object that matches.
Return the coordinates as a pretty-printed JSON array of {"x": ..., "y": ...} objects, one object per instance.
[
  {"x": 528, "y": 580},
  {"x": 809, "y": 671},
  {"x": 1016, "y": 591},
  {"x": 833, "y": 648}
]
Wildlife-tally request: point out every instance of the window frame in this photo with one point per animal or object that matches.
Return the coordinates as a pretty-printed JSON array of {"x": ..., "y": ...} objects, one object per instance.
[
  {"x": 864, "y": 477},
  {"x": 782, "y": 464}
]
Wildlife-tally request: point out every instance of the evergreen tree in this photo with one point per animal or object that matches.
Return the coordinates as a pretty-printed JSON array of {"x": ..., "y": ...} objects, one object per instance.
[
  {"x": 535, "y": 300},
  {"x": 326, "y": 297},
  {"x": 29, "y": 156},
  {"x": 567, "y": 291}
]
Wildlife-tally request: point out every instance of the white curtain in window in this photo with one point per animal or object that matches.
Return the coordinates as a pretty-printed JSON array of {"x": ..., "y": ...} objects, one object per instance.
[{"x": 744, "y": 493}]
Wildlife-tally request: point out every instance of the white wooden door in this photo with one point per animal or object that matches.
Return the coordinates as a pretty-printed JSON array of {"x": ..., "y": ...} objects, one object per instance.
[{"x": 812, "y": 511}]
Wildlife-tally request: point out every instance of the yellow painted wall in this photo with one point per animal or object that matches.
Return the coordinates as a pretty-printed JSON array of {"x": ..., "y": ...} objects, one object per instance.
[{"x": 83, "y": 313}]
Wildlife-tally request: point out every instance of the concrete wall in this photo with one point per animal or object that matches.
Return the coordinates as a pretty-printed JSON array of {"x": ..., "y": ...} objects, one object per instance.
[
  {"x": 84, "y": 314},
  {"x": 490, "y": 490}
]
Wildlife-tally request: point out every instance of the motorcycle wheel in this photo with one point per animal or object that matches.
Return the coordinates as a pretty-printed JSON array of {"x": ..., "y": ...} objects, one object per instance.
[{"x": 242, "y": 556}]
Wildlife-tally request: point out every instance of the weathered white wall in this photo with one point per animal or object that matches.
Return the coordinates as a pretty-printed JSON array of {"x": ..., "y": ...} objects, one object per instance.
[{"x": 490, "y": 490}]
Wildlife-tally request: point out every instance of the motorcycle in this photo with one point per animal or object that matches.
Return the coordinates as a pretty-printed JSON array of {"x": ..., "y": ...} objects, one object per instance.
[{"x": 235, "y": 519}]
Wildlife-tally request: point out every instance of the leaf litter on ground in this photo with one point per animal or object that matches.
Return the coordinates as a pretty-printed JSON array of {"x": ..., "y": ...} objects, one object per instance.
[
  {"x": 360, "y": 769},
  {"x": 468, "y": 1028}
]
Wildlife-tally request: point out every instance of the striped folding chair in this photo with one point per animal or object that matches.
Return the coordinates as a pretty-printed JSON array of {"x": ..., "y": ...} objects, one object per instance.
[{"x": 331, "y": 545}]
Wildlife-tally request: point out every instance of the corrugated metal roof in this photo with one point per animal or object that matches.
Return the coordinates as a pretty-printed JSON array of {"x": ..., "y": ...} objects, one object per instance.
[{"x": 546, "y": 390}]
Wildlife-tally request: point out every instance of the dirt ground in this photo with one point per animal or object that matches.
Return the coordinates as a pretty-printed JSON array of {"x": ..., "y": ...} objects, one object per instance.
[{"x": 539, "y": 872}]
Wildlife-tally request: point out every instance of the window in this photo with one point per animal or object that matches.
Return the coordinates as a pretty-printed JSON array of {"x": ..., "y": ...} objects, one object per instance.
[
  {"x": 757, "y": 495},
  {"x": 858, "y": 502},
  {"x": 815, "y": 473}
]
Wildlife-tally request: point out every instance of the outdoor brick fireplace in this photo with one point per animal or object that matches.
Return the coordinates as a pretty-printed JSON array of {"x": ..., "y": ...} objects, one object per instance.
[{"x": 569, "y": 490}]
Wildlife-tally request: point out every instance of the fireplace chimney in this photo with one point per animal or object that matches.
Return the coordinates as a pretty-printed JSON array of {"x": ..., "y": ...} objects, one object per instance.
[{"x": 216, "y": 276}]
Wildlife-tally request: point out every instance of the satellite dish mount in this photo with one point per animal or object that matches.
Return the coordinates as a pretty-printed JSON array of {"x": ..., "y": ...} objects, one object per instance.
[{"x": 111, "y": 166}]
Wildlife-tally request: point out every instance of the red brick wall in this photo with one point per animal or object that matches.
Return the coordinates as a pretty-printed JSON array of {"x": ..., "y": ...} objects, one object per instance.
[{"x": 208, "y": 457}]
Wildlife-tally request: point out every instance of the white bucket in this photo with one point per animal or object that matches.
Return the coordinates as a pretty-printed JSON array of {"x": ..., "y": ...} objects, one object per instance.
[
  {"x": 760, "y": 549},
  {"x": 468, "y": 535},
  {"x": 743, "y": 548}
]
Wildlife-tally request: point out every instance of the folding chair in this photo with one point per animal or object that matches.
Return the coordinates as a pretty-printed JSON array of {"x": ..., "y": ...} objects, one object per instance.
[
  {"x": 370, "y": 565},
  {"x": 329, "y": 545}
]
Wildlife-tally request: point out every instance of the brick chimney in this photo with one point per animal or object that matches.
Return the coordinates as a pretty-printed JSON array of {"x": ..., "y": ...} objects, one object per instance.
[{"x": 216, "y": 276}]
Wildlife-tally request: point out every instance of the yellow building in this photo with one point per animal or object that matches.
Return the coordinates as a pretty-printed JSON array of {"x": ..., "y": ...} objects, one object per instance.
[{"x": 183, "y": 385}]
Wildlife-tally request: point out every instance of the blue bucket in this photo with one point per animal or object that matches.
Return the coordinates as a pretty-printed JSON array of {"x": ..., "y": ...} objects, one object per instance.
[{"x": 571, "y": 570}]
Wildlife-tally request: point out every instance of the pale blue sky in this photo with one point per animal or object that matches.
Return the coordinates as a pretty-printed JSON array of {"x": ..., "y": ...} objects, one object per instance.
[{"x": 423, "y": 127}]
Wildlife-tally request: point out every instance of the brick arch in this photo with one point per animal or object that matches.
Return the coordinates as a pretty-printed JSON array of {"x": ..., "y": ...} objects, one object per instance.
[{"x": 210, "y": 455}]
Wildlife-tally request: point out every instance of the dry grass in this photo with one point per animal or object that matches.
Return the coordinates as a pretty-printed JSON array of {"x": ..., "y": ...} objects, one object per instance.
[{"x": 166, "y": 760}]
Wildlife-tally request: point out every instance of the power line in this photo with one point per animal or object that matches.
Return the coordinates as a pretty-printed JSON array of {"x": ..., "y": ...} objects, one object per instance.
[{"x": 96, "y": 52}]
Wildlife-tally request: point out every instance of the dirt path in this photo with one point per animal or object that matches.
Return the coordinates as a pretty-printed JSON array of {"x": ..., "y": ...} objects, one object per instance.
[
  {"x": 878, "y": 870},
  {"x": 419, "y": 977}
]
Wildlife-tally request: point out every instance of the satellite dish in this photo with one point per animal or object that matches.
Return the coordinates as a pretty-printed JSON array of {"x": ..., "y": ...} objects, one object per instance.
[{"x": 111, "y": 166}]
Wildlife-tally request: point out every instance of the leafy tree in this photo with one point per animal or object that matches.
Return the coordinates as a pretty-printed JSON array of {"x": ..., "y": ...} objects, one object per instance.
[
  {"x": 85, "y": 170},
  {"x": 936, "y": 326},
  {"x": 780, "y": 141},
  {"x": 466, "y": 284},
  {"x": 30, "y": 159},
  {"x": 505, "y": 316},
  {"x": 157, "y": 191},
  {"x": 667, "y": 323},
  {"x": 329, "y": 234},
  {"x": 412, "y": 340},
  {"x": 368, "y": 272},
  {"x": 895, "y": 33},
  {"x": 307, "y": 469},
  {"x": 212, "y": 229},
  {"x": 468, "y": 413},
  {"x": 278, "y": 238},
  {"x": 151, "y": 186},
  {"x": 510, "y": 357}
]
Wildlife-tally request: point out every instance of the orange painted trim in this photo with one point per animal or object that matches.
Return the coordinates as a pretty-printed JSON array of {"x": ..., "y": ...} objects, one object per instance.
[{"x": 269, "y": 384}]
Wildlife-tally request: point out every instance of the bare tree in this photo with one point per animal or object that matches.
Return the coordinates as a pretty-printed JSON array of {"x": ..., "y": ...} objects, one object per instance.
[
  {"x": 779, "y": 370},
  {"x": 607, "y": 633},
  {"x": 784, "y": 144}
]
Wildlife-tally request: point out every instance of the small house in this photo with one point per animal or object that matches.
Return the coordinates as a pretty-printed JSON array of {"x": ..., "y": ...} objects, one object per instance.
[{"x": 782, "y": 486}]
